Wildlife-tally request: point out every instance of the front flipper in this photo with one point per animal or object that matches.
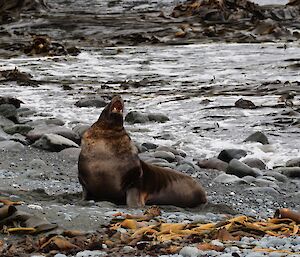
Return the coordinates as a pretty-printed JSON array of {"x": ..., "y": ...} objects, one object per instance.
[{"x": 134, "y": 198}]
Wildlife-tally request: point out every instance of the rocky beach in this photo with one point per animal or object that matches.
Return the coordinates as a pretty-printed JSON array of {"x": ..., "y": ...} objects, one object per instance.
[{"x": 211, "y": 89}]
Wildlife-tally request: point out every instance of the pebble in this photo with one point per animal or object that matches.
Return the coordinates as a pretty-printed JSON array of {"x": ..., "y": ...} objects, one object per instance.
[
  {"x": 91, "y": 102},
  {"x": 278, "y": 176},
  {"x": 59, "y": 255},
  {"x": 128, "y": 249},
  {"x": 189, "y": 251},
  {"x": 149, "y": 145},
  {"x": 88, "y": 253},
  {"x": 293, "y": 162},
  {"x": 136, "y": 117},
  {"x": 158, "y": 117},
  {"x": 80, "y": 129}
]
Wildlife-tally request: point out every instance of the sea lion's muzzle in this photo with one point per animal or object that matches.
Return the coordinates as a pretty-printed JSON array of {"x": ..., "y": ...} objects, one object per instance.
[{"x": 117, "y": 107}]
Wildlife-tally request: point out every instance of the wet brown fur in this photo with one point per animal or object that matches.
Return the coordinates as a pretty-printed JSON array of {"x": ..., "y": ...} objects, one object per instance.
[{"x": 110, "y": 169}]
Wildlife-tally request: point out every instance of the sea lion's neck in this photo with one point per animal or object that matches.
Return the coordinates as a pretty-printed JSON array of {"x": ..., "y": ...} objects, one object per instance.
[{"x": 103, "y": 130}]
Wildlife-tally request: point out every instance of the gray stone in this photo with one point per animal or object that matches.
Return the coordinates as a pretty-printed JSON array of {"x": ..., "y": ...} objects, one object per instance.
[
  {"x": 18, "y": 128},
  {"x": 156, "y": 160},
  {"x": 249, "y": 179},
  {"x": 25, "y": 112},
  {"x": 4, "y": 122},
  {"x": 257, "y": 137},
  {"x": 88, "y": 253},
  {"x": 71, "y": 153},
  {"x": 165, "y": 165},
  {"x": 168, "y": 149},
  {"x": 185, "y": 168},
  {"x": 128, "y": 249},
  {"x": 41, "y": 130},
  {"x": 4, "y": 136},
  {"x": 280, "y": 177},
  {"x": 227, "y": 155},
  {"x": 240, "y": 169},
  {"x": 265, "y": 183},
  {"x": 189, "y": 251},
  {"x": 158, "y": 117},
  {"x": 11, "y": 146},
  {"x": 170, "y": 157},
  {"x": 37, "y": 164},
  {"x": 229, "y": 179},
  {"x": 91, "y": 102},
  {"x": 149, "y": 145},
  {"x": 80, "y": 129},
  {"x": 255, "y": 163},
  {"x": 9, "y": 111},
  {"x": 54, "y": 143},
  {"x": 293, "y": 162},
  {"x": 213, "y": 163},
  {"x": 10, "y": 100},
  {"x": 292, "y": 172},
  {"x": 136, "y": 117},
  {"x": 263, "y": 190}
]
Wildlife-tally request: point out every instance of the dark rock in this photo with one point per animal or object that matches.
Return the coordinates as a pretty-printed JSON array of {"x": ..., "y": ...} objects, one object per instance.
[
  {"x": 136, "y": 117},
  {"x": 25, "y": 112},
  {"x": 91, "y": 102},
  {"x": 42, "y": 129},
  {"x": 10, "y": 100},
  {"x": 54, "y": 143},
  {"x": 4, "y": 122},
  {"x": 213, "y": 163},
  {"x": 257, "y": 137},
  {"x": 255, "y": 163},
  {"x": 80, "y": 129},
  {"x": 18, "y": 128},
  {"x": 228, "y": 154},
  {"x": 158, "y": 117},
  {"x": 229, "y": 179},
  {"x": 293, "y": 162},
  {"x": 278, "y": 176},
  {"x": 11, "y": 146},
  {"x": 149, "y": 146},
  {"x": 291, "y": 172},
  {"x": 170, "y": 157},
  {"x": 240, "y": 169},
  {"x": 244, "y": 104},
  {"x": 4, "y": 136},
  {"x": 9, "y": 111},
  {"x": 21, "y": 78}
]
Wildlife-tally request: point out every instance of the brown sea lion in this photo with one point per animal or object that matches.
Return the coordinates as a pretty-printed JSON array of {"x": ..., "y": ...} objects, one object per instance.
[{"x": 110, "y": 169}]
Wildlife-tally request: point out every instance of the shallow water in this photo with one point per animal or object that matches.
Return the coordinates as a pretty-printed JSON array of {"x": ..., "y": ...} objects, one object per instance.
[{"x": 181, "y": 77}]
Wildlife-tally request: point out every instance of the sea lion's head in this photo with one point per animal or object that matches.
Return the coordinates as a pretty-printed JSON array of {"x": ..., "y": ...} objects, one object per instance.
[{"x": 112, "y": 115}]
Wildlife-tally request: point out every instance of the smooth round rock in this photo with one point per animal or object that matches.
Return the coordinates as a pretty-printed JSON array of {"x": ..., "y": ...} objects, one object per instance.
[
  {"x": 18, "y": 128},
  {"x": 168, "y": 149},
  {"x": 88, "y": 253},
  {"x": 136, "y": 117},
  {"x": 158, "y": 117},
  {"x": 5, "y": 122},
  {"x": 9, "y": 111},
  {"x": 258, "y": 137},
  {"x": 255, "y": 163},
  {"x": 263, "y": 190},
  {"x": 229, "y": 179},
  {"x": 91, "y": 102},
  {"x": 54, "y": 143},
  {"x": 280, "y": 177},
  {"x": 185, "y": 168},
  {"x": 70, "y": 153},
  {"x": 170, "y": 157},
  {"x": 149, "y": 146},
  {"x": 291, "y": 172},
  {"x": 213, "y": 163},
  {"x": 80, "y": 129},
  {"x": 11, "y": 146},
  {"x": 227, "y": 155},
  {"x": 265, "y": 183},
  {"x": 244, "y": 104},
  {"x": 293, "y": 162},
  {"x": 43, "y": 129},
  {"x": 240, "y": 169}
]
